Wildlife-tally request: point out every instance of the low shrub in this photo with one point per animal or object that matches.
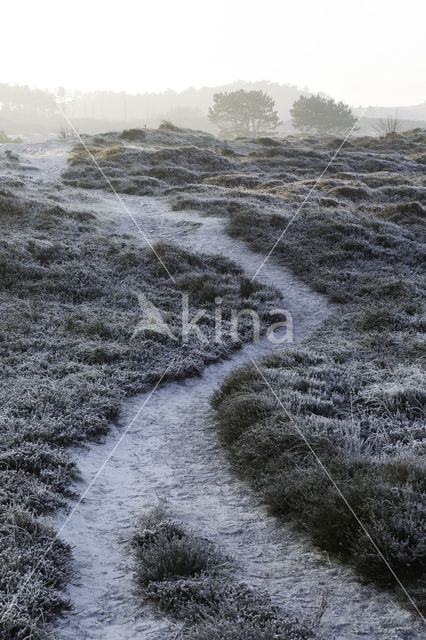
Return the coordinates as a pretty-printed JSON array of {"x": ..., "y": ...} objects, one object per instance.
[
  {"x": 190, "y": 580},
  {"x": 166, "y": 125},
  {"x": 350, "y": 192},
  {"x": 69, "y": 296},
  {"x": 128, "y": 167},
  {"x": 167, "y": 551},
  {"x": 404, "y": 213},
  {"x": 133, "y": 135},
  {"x": 355, "y": 389},
  {"x": 386, "y": 493}
]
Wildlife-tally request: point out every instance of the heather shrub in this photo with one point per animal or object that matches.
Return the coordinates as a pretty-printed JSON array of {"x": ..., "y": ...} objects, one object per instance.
[
  {"x": 167, "y": 551},
  {"x": 69, "y": 296},
  {"x": 386, "y": 493},
  {"x": 355, "y": 390},
  {"x": 133, "y": 135},
  {"x": 166, "y": 125},
  {"x": 190, "y": 580},
  {"x": 404, "y": 213},
  {"x": 389, "y": 510}
]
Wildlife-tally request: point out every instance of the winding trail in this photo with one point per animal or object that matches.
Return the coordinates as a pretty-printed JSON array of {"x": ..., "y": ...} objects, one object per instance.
[{"x": 171, "y": 452}]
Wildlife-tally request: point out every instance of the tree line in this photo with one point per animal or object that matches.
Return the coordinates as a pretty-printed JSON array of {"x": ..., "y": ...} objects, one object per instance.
[
  {"x": 239, "y": 113},
  {"x": 253, "y": 114},
  {"x": 22, "y": 99}
]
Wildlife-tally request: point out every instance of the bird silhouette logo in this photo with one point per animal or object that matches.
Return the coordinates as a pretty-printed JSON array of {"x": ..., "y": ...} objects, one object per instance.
[{"x": 152, "y": 319}]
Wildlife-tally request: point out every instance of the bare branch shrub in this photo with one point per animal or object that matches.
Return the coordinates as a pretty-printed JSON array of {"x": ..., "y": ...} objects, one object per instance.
[
  {"x": 387, "y": 126},
  {"x": 65, "y": 133}
]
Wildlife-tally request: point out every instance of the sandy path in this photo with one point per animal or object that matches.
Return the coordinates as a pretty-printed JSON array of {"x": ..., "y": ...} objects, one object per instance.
[{"x": 171, "y": 452}]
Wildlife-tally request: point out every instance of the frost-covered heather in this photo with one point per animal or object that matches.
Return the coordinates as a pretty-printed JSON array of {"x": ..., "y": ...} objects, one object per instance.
[
  {"x": 261, "y": 170},
  {"x": 186, "y": 576},
  {"x": 145, "y": 163},
  {"x": 68, "y": 294},
  {"x": 357, "y": 387}
]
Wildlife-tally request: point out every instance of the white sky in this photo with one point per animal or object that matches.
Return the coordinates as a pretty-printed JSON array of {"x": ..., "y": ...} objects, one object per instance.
[{"x": 363, "y": 52}]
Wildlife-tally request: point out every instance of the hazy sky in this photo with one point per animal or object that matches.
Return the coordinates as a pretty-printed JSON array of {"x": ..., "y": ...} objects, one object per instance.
[{"x": 364, "y": 52}]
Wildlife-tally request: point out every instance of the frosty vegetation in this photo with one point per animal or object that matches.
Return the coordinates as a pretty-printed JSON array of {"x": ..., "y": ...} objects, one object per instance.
[
  {"x": 68, "y": 292},
  {"x": 191, "y": 581},
  {"x": 356, "y": 387}
]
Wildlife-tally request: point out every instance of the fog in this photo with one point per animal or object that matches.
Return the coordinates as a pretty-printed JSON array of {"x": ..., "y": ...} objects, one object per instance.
[
  {"x": 134, "y": 64},
  {"x": 367, "y": 53},
  {"x": 212, "y": 320}
]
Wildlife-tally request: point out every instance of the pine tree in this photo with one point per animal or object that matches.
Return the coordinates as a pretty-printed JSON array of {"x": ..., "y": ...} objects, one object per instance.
[
  {"x": 315, "y": 114},
  {"x": 244, "y": 114}
]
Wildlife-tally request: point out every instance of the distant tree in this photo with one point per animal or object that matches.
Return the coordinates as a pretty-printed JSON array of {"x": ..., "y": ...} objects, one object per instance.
[
  {"x": 22, "y": 99},
  {"x": 244, "y": 113},
  {"x": 315, "y": 114},
  {"x": 388, "y": 126},
  {"x": 65, "y": 133}
]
